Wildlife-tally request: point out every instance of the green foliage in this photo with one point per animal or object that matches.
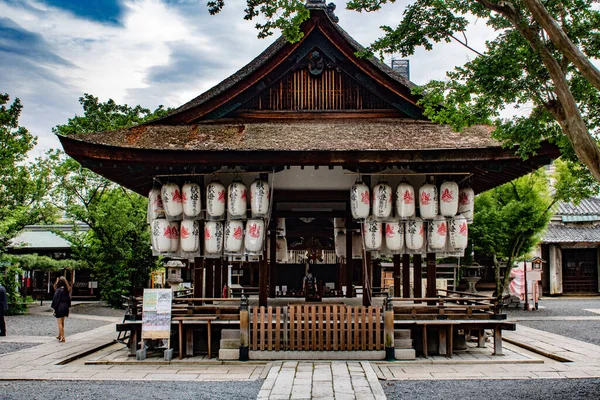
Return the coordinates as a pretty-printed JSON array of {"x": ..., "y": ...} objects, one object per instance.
[
  {"x": 8, "y": 278},
  {"x": 31, "y": 262},
  {"x": 117, "y": 246},
  {"x": 510, "y": 219},
  {"x": 25, "y": 185},
  {"x": 107, "y": 116}
]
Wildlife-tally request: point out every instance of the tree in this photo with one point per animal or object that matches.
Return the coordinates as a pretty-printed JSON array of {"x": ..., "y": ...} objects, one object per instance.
[
  {"x": 509, "y": 221},
  {"x": 540, "y": 59},
  {"x": 25, "y": 184},
  {"x": 117, "y": 246}
]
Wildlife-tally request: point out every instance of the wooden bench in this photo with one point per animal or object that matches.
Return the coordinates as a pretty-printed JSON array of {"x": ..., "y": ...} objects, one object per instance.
[{"x": 189, "y": 339}]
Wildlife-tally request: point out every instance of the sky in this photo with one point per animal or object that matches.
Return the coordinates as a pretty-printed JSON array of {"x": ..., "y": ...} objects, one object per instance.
[{"x": 152, "y": 52}]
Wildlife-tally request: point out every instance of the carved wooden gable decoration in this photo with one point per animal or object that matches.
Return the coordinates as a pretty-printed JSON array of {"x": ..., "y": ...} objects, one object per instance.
[{"x": 321, "y": 73}]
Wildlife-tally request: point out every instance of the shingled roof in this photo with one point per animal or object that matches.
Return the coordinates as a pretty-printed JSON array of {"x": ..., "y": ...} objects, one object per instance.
[
  {"x": 572, "y": 234},
  {"x": 590, "y": 206}
]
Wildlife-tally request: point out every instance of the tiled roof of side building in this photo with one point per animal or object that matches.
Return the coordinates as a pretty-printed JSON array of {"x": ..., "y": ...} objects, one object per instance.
[
  {"x": 570, "y": 234},
  {"x": 589, "y": 206}
]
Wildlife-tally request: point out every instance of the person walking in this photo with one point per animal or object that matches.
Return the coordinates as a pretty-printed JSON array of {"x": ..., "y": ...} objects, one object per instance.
[
  {"x": 3, "y": 309},
  {"x": 61, "y": 302}
]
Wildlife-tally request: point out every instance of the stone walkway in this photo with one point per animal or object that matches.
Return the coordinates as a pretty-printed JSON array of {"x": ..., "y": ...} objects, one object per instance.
[{"x": 321, "y": 380}]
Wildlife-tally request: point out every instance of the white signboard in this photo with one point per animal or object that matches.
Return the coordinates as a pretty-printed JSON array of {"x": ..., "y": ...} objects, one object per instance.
[{"x": 156, "y": 314}]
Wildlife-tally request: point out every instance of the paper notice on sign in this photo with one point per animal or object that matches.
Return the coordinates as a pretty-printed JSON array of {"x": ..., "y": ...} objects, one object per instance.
[{"x": 156, "y": 316}]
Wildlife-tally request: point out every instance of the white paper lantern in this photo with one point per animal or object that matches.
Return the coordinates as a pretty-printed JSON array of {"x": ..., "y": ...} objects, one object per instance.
[
  {"x": 281, "y": 253},
  {"x": 357, "y": 245},
  {"x": 340, "y": 244},
  {"x": 161, "y": 235},
  {"x": 382, "y": 200},
  {"x": 415, "y": 234},
  {"x": 405, "y": 201},
  {"x": 189, "y": 235},
  {"x": 213, "y": 237},
  {"x": 215, "y": 200},
  {"x": 172, "y": 200},
  {"x": 260, "y": 195},
  {"x": 174, "y": 225},
  {"x": 428, "y": 201},
  {"x": 438, "y": 232},
  {"x": 372, "y": 234},
  {"x": 192, "y": 201},
  {"x": 234, "y": 236},
  {"x": 339, "y": 223},
  {"x": 255, "y": 234},
  {"x": 281, "y": 231},
  {"x": 237, "y": 200},
  {"x": 360, "y": 200},
  {"x": 466, "y": 203},
  {"x": 394, "y": 236},
  {"x": 156, "y": 209},
  {"x": 458, "y": 232},
  {"x": 449, "y": 199}
]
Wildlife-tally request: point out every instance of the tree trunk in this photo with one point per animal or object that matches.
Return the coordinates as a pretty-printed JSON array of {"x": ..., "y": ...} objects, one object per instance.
[{"x": 563, "y": 43}]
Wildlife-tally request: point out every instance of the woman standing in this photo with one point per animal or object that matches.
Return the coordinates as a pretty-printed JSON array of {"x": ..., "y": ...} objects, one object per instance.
[{"x": 61, "y": 303}]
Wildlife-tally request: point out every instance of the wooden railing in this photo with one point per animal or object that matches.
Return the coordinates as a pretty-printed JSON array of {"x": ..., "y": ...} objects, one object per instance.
[
  {"x": 460, "y": 305},
  {"x": 317, "y": 328}
]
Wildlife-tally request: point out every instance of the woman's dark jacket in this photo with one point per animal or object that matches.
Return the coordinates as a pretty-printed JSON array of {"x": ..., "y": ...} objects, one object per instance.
[{"x": 61, "y": 303}]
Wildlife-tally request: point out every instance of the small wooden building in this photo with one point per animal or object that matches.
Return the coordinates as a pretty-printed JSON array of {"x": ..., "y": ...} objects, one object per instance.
[{"x": 312, "y": 117}]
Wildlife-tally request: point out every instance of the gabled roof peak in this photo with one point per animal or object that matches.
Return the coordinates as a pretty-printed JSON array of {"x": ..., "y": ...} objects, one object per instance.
[{"x": 322, "y": 5}]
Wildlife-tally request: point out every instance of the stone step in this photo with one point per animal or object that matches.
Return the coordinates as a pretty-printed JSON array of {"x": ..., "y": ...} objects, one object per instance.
[
  {"x": 402, "y": 334},
  {"x": 229, "y": 354},
  {"x": 230, "y": 334},
  {"x": 229, "y": 344},
  {"x": 403, "y": 343},
  {"x": 404, "y": 354}
]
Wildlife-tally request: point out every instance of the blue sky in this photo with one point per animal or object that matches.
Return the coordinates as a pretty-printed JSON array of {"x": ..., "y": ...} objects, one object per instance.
[{"x": 149, "y": 52}]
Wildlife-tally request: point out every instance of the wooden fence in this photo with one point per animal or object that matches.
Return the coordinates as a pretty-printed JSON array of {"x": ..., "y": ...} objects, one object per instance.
[{"x": 317, "y": 328}]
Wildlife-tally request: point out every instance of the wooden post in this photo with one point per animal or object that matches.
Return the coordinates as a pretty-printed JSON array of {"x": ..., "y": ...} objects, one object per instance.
[
  {"x": 216, "y": 293},
  {"x": 388, "y": 331},
  {"x": 367, "y": 279},
  {"x": 262, "y": 281},
  {"x": 431, "y": 282},
  {"x": 272, "y": 263},
  {"x": 417, "y": 276},
  {"x": 224, "y": 277},
  {"x": 349, "y": 260},
  {"x": 377, "y": 282},
  {"x": 397, "y": 290},
  {"x": 406, "y": 276},
  {"x": 498, "y": 342},
  {"x": 198, "y": 276},
  {"x": 244, "y": 330},
  {"x": 210, "y": 287}
]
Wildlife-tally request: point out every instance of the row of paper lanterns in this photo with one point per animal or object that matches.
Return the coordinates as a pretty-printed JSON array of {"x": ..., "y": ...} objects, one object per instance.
[
  {"x": 181, "y": 203},
  {"x": 416, "y": 235},
  {"x": 220, "y": 238},
  {"x": 450, "y": 202}
]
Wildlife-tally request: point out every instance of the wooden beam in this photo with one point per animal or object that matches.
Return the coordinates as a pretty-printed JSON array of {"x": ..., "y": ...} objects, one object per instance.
[
  {"x": 198, "y": 276},
  {"x": 262, "y": 281},
  {"x": 224, "y": 275},
  {"x": 417, "y": 273},
  {"x": 431, "y": 281},
  {"x": 209, "y": 268},
  {"x": 272, "y": 263},
  {"x": 405, "y": 275},
  {"x": 367, "y": 279},
  {"x": 218, "y": 286}
]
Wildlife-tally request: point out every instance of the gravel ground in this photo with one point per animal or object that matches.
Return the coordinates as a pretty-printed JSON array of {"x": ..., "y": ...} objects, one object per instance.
[
  {"x": 7, "y": 347},
  {"x": 38, "y": 325},
  {"x": 560, "y": 307},
  {"x": 541, "y": 389},
  {"x": 128, "y": 390},
  {"x": 100, "y": 309}
]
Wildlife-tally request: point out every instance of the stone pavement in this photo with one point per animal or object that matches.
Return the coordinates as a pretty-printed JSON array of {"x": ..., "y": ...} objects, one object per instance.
[{"x": 50, "y": 360}]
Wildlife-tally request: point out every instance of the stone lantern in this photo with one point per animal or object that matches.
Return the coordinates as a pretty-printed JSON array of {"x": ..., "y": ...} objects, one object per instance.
[{"x": 174, "y": 268}]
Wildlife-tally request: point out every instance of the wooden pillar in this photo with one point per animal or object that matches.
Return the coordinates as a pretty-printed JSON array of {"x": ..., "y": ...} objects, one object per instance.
[
  {"x": 210, "y": 287},
  {"x": 406, "y": 276},
  {"x": 431, "y": 287},
  {"x": 262, "y": 281},
  {"x": 224, "y": 276},
  {"x": 198, "y": 276},
  {"x": 349, "y": 260},
  {"x": 218, "y": 275},
  {"x": 377, "y": 282},
  {"x": 396, "y": 260},
  {"x": 418, "y": 285},
  {"x": 272, "y": 263},
  {"x": 367, "y": 279}
]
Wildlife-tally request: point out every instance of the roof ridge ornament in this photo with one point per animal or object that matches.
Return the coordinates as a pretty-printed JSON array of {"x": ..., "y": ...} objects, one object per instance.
[{"x": 321, "y": 5}]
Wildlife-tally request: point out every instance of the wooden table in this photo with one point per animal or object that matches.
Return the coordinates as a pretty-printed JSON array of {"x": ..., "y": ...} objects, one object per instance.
[{"x": 194, "y": 320}]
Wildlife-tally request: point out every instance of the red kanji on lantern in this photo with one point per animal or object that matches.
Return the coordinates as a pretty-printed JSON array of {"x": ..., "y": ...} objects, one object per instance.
[
  {"x": 425, "y": 198},
  {"x": 244, "y": 194},
  {"x": 408, "y": 197},
  {"x": 389, "y": 231},
  {"x": 254, "y": 231},
  {"x": 463, "y": 229},
  {"x": 222, "y": 196},
  {"x": 463, "y": 199},
  {"x": 422, "y": 231},
  {"x": 167, "y": 232},
  {"x": 441, "y": 230},
  {"x": 206, "y": 233},
  {"x": 447, "y": 196},
  {"x": 237, "y": 233},
  {"x": 177, "y": 196},
  {"x": 184, "y": 232},
  {"x": 365, "y": 197}
]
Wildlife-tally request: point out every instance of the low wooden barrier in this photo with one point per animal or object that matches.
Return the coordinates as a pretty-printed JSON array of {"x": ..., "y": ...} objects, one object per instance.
[{"x": 317, "y": 328}]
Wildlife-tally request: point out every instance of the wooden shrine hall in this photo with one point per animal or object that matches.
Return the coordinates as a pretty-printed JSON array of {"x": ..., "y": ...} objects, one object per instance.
[{"x": 310, "y": 119}]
